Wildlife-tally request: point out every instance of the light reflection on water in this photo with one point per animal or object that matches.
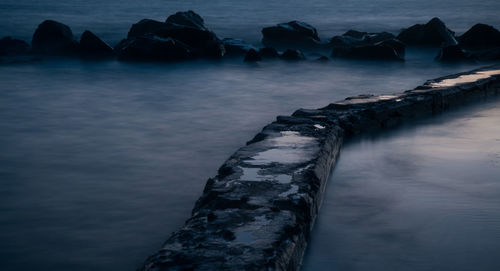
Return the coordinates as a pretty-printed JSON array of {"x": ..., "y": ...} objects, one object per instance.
[{"x": 425, "y": 197}]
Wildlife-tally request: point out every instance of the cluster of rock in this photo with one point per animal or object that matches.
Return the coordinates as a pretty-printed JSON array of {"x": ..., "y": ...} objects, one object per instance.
[
  {"x": 256, "y": 214},
  {"x": 184, "y": 36}
]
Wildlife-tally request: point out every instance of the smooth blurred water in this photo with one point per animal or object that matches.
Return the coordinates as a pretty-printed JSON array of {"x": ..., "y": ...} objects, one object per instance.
[
  {"x": 424, "y": 197},
  {"x": 101, "y": 161}
]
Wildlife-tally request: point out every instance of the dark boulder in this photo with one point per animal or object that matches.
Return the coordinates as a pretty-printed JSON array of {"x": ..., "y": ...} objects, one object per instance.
[
  {"x": 236, "y": 47},
  {"x": 292, "y": 34},
  {"x": 480, "y": 36},
  {"x": 52, "y": 37},
  {"x": 363, "y": 45},
  {"x": 252, "y": 56},
  {"x": 355, "y": 34},
  {"x": 293, "y": 55},
  {"x": 186, "y": 27},
  {"x": 187, "y": 18},
  {"x": 268, "y": 52},
  {"x": 323, "y": 59},
  {"x": 144, "y": 27},
  {"x": 152, "y": 48},
  {"x": 13, "y": 47},
  {"x": 453, "y": 53},
  {"x": 204, "y": 43},
  {"x": 93, "y": 46},
  {"x": 433, "y": 33}
]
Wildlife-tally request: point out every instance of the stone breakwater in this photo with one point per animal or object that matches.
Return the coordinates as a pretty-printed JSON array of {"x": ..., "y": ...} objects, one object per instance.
[{"x": 257, "y": 213}]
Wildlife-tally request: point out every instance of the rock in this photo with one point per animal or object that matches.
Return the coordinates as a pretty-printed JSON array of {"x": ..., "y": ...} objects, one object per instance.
[
  {"x": 13, "y": 47},
  {"x": 185, "y": 27},
  {"x": 93, "y": 46},
  {"x": 363, "y": 45},
  {"x": 453, "y": 53},
  {"x": 187, "y": 18},
  {"x": 252, "y": 56},
  {"x": 145, "y": 26},
  {"x": 152, "y": 48},
  {"x": 323, "y": 59},
  {"x": 268, "y": 52},
  {"x": 292, "y": 34},
  {"x": 355, "y": 34},
  {"x": 52, "y": 37},
  {"x": 490, "y": 54},
  {"x": 290, "y": 54},
  {"x": 236, "y": 47},
  {"x": 203, "y": 43},
  {"x": 480, "y": 36},
  {"x": 433, "y": 33}
]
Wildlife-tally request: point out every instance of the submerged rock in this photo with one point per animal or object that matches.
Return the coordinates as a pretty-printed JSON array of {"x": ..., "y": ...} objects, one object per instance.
[
  {"x": 363, "y": 45},
  {"x": 433, "y": 33},
  {"x": 252, "y": 56},
  {"x": 480, "y": 36},
  {"x": 291, "y": 54},
  {"x": 323, "y": 59},
  {"x": 93, "y": 46},
  {"x": 292, "y": 34},
  {"x": 152, "y": 48},
  {"x": 453, "y": 53},
  {"x": 55, "y": 38},
  {"x": 236, "y": 47},
  {"x": 13, "y": 47},
  {"x": 268, "y": 52}
]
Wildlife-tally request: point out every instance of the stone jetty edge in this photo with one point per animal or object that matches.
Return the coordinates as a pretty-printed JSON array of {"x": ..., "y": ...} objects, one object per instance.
[{"x": 257, "y": 213}]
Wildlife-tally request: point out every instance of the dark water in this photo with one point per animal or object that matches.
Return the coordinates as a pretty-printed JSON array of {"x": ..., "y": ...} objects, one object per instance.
[
  {"x": 101, "y": 161},
  {"x": 425, "y": 197}
]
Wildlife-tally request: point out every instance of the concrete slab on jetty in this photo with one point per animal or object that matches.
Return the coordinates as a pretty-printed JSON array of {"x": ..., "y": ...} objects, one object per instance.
[{"x": 256, "y": 214}]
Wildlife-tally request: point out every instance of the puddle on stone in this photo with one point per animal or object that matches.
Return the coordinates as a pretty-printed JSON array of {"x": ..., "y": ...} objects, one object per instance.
[
  {"x": 293, "y": 190},
  {"x": 291, "y": 139},
  {"x": 252, "y": 174},
  {"x": 289, "y": 148},
  {"x": 466, "y": 78},
  {"x": 244, "y": 234}
]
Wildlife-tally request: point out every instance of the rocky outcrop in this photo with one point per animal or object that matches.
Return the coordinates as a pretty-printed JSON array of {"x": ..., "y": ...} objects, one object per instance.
[
  {"x": 363, "y": 45},
  {"x": 236, "y": 47},
  {"x": 252, "y": 56},
  {"x": 92, "y": 46},
  {"x": 53, "y": 38},
  {"x": 268, "y": 53},
  {"x": 256, "y": 214},
  {"x": 13, "y": 47},
  {"x": 292, "y": 55},
  {"x": 453, "y": 53},
  {"x": 480, "y": 36},
  {"x": 153, "y": 48},
  {"x": 145, "y": 27},
  {"x": 433, "y": 33},
  {"x": 184, "y": 28},
  {"x": 188, "y": 19},
  {"x": 294, "y": 34}
]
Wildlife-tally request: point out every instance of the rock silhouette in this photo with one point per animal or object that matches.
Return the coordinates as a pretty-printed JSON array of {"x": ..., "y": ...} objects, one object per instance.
[{"x": 55, "y": 38}]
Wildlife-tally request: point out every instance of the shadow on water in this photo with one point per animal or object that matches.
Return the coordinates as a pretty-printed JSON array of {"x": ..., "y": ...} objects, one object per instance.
[{"x": 424, "y": 196}]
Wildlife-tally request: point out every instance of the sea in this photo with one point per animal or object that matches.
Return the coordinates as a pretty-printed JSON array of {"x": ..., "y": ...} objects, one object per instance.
[{"x": 100, "y": 161}]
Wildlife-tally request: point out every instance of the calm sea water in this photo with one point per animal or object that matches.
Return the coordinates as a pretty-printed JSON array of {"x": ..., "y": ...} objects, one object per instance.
[
  {"x": 425, "y": 197},
  {"x": 101, "y": 161}
]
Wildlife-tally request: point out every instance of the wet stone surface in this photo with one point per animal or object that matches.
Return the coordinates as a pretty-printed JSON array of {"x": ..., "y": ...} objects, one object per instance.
[{"x": 256, "y": 214}]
